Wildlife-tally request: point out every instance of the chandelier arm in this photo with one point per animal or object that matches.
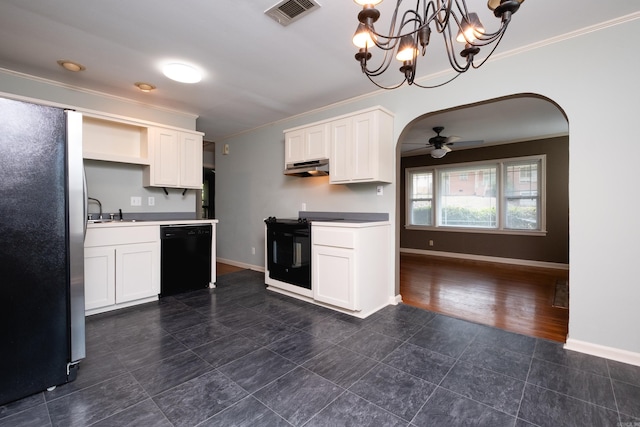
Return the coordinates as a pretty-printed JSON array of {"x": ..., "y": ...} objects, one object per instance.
[
  {"x": 385, "y": 87},
  {"x": 438, "y": 85},
  {"x": 449, "y": 44},
  {"x": 384, "y": 66},
  {"x": 490, "y": 53}
]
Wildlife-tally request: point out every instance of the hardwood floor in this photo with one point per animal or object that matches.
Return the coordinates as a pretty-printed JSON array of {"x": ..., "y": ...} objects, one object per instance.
[
  {"x": 513, "y": 298},
  {"x": 222, "y": 269}
]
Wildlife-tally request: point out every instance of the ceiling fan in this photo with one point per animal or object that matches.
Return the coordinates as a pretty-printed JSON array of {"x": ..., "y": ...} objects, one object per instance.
[{"x": 440, "y": 144}]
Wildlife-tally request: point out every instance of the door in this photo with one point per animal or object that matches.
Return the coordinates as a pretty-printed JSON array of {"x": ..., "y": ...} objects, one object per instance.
[
  {"x": 137, "y": 269},
  {"x": 99, "y": 277},
  {"x": 333, "y": 276}
]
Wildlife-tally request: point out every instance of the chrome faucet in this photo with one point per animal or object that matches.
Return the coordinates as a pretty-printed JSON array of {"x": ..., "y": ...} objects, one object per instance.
[{"x": 99, "y": 204}]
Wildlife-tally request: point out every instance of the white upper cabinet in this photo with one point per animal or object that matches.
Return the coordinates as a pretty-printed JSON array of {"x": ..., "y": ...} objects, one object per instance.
[
  {"x": 113, "y": 141},
  {"x": 362, "y": 148},
  {"x": 171, "y": 157},
  {"x": 305, "y": 144},
  {"x": 359, "y": 146},
  {"x": 175, "y": 159}
]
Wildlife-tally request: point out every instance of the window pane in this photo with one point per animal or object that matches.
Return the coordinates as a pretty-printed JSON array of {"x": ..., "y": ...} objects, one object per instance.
[
  {"x": 421, "y": 199},
  {"x": 421, "y": 212},
  {"x": 468, "y": 197},
  {"x": 522, "y": 214},
  {"x": 522, "y": 190}
]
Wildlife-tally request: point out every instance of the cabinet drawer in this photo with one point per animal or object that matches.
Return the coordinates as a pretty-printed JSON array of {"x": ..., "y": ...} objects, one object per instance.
[
  {"x": 339, "y": 238},
  {"x": 109, "y": 236}
]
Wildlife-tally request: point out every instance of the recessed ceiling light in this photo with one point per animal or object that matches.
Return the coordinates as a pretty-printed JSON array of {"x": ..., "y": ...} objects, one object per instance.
[
  {"x": 182, "y": 72},
  {"x": 71, "y": 66},
  {"x": 145, "y": 87}
]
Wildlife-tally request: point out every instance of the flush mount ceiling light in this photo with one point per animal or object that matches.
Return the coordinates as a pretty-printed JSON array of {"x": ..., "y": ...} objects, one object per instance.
[
  {"x": 410, "y": 31},
  {"x": 182, "y": 72},
  {"x": 71, "y": 66},
  {"x": 145, "y": 87}
]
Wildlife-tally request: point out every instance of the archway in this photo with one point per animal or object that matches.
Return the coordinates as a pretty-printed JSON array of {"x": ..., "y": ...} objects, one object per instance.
[{"x": 515, "y": 127}]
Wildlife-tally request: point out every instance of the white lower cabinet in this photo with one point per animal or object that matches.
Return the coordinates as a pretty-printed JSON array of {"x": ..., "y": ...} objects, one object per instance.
[
  {"x": 122, "y": 267},
  {"x": 334, "y": 277},
  {"x": 350, "y": 266}
]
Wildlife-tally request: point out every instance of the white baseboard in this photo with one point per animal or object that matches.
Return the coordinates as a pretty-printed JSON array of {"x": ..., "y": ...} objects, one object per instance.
[
  {"x": 612, "y": 353},
  {"x": 511, "y": 261},
  {"x": 241, "y": 264}
]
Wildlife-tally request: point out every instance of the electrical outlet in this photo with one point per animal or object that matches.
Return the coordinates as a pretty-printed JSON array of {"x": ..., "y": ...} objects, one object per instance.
[
  {"x": 136, "y": 201},
  {"x": 430, "y": 242},
  {"x": 225, "y": 149},
  {"x": 379, "y": 190},
  {"x": 253, "y": 251},
  {"x": 151, "y": 201}
]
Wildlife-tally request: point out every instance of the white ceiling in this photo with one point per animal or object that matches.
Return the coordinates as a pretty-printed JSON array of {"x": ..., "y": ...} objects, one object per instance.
[{"x": 256, "y": 71}]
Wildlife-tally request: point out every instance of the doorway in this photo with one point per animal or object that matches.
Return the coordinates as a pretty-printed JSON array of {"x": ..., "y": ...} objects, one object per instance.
[{"x": 480, "y": 274}]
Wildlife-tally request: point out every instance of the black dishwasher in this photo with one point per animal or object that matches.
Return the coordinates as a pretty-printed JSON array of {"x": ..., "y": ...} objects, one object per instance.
[{"x": 185, "y": 258}]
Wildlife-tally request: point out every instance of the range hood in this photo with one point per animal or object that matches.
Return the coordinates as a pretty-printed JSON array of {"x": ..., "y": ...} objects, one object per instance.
[{"x": 311, "y": 168}]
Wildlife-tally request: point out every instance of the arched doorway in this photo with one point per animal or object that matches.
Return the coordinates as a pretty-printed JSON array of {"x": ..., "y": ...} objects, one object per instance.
[{"x": 492, "y": 272}]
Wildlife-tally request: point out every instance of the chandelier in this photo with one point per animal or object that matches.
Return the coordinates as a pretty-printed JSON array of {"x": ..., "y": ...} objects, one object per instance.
[{"x": 410, "y": 31}]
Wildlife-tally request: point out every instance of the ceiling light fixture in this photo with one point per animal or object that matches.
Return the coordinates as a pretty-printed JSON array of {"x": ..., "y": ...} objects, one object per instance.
[
  {"x": 182, "y": 72},
  {"x": 71, "y": 66},
  {"x": 145, "y": 87},
  {"x": 410, "y": 31}
]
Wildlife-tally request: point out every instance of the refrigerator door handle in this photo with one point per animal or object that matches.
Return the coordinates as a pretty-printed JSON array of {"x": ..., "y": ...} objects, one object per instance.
[{"x": 85, "y": 205}]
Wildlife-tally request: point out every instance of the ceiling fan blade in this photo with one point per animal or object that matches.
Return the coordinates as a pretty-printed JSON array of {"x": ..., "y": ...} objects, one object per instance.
[
  {"x": 424, "y": 147},
  {"x": 452, "y": 138},
  {"x": 461, "y": 144}
]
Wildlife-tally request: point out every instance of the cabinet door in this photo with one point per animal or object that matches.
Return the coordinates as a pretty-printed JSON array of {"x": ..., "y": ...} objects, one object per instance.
[
  {"x": 137, "y": 271},
  {"x": 99, "y": 277},
  {"x": 190, "y": 160},
  {"x": 340, "y": 151},
  {"x": 294, "y": 146},
  {"x": 316, "y": 145},
  {"x": 363, "y": 151},
  {"x": 165, "y": 158},
  {"x": 333, "y": 276}
]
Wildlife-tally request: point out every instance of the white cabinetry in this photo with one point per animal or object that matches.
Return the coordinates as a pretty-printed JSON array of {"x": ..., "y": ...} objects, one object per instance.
[
  {"x": 114, "y": 141},
  {"x": 175, "y": 159},
  {"x": 362, "y": 148},
  {"x": 350, "y": 266},
  {"x": 305, "y": 144},
  {"x": 122, "y": 267}
]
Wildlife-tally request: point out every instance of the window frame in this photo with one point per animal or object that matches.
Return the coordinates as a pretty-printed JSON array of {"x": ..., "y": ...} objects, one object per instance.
[{"x": 501, "y": 197}]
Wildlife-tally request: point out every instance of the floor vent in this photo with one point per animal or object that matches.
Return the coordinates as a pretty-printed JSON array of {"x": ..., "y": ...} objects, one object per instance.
[{"x": 288, "y": 11}]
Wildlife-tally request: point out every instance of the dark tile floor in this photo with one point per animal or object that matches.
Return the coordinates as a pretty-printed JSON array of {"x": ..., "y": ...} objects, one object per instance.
[{"x": 243, "y": 356}]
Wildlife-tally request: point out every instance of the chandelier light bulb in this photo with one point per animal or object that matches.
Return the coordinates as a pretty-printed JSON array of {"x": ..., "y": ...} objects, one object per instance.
[
  {"x": 407, "y": 49},
  {"x": 362, "y": 37}
]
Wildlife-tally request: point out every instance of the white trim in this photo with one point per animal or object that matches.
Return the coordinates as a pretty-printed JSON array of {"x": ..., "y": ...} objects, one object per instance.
[
  {"x": 500, "y": 260},
  {"x": 612, "y": 353},
  {"x": 241, "y": 264},
  {"x": 87, "y": 91}
]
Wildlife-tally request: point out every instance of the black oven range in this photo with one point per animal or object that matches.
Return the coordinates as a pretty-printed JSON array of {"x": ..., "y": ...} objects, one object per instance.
[{"x": 289, "y": 250}]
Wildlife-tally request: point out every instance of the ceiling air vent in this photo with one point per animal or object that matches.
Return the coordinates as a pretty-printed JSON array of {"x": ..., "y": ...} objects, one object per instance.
[{"x": 288, "y": 11}]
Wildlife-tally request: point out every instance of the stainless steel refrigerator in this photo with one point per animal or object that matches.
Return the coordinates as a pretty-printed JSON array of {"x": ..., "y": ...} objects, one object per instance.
[{"x": 42, "y": 220}]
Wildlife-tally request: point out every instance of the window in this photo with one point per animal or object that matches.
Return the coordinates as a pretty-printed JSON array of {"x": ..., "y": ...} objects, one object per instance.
[
  {"x": 521, "y": 195},
  {"x": 499, "y": 196},
  {"x": 421, "y": 198}
]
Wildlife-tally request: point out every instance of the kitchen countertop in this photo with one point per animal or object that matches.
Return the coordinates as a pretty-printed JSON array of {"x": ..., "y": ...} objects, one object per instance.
[
  {"x": 350, "y": 223},
  {"x": 138, "y": 223}
]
